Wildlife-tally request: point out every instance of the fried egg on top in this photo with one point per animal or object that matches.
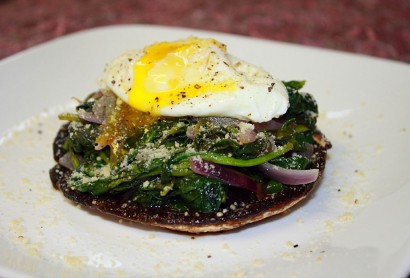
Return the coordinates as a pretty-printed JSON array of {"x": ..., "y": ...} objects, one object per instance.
[{"x": 195, "y": 77}]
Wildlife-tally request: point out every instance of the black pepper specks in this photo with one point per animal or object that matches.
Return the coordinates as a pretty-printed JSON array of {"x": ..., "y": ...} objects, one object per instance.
[{"x": 271, "y": 87}]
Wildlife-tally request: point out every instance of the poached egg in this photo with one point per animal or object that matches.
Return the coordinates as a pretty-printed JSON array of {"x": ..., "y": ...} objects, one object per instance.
[{"x": 194, "y": 77}]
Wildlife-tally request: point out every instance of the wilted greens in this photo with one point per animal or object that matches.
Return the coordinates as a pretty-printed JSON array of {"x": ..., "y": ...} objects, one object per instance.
[{"x": 153, "y": 164}]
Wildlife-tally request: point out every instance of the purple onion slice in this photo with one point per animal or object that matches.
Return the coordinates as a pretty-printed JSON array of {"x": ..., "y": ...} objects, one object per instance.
[
  {"x": 289, "y": 176},
  {"x": 224, "y": 174},
  {"x": 273, "y": 124}
]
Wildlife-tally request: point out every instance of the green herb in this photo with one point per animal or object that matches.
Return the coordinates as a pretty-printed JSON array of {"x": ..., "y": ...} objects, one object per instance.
[
  {"x": 82, "y": 136},
  {"x": 199, "y": 193},
  {"x": 296, "y": 162},
  {"x": 272, "y": 187},
  {"x": 226, "y": 160},
  {"x": 155, "y": 168},
  {"x": 86, "y": 106},
  {"x": 302, "y": 106}
]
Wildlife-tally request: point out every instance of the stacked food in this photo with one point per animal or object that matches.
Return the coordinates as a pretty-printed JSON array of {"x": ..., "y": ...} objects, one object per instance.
[{"x": 185, "y": 136}]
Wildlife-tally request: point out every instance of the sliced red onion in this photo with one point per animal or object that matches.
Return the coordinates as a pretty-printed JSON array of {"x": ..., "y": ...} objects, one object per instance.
[
  {"x": 89, "y": 117},
  {"x": 65, "y": 161},
  {"x": 99, "y": 110},
  {"x": 103, "y": 105},
  {"x": 289, "y": 176},
  {"x": 223, "y": 174},
  {"x": 273, "y": 124}
]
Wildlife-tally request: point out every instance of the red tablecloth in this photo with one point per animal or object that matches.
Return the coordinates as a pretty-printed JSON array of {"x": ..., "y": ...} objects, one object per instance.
[{"x": 373, "y": 27}]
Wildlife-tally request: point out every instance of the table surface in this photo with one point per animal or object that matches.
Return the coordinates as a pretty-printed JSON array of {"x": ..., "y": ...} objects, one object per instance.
[{"x": 379, "y": 28}]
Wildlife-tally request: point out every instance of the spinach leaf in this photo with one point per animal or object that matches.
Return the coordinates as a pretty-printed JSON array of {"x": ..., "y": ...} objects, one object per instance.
[
  {"x": 293, "y": 133},
  {"x": 199, "y": 193},
  {"x": 294, "y": 84},
  {"x": 99, "y": 178},
  {"x": 213, "y": 137},
  {"x": 257, "y": 148},
  {"x": 193, "y": 192},
  {"x": 148, "y": 192},
  {"x": 272, "y": 187},
  {"x": 296, "y": 162},
  {"x": 96, "y": 179},
  {"x": 82, "y": 136},
  {"x": 303, "y": 106}
]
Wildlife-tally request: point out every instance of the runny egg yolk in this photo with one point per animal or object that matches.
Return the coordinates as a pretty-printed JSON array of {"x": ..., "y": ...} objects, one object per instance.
[{"x": 171, "y": 72}]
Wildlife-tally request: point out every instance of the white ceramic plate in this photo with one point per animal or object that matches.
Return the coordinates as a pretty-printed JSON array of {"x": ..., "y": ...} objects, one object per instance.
[{"x": 356, "y": 224}]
